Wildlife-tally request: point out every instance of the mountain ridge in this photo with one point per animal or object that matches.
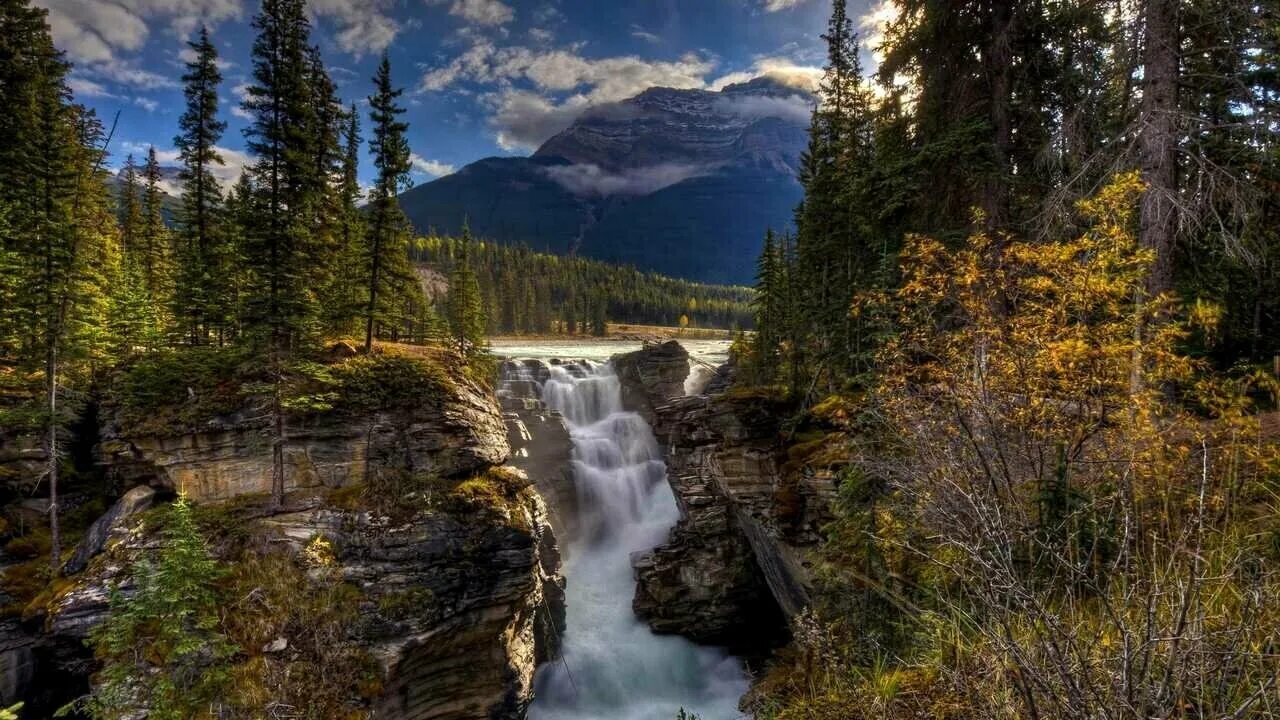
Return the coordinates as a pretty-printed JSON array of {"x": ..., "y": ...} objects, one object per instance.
[{"x": 681, "y": 182}]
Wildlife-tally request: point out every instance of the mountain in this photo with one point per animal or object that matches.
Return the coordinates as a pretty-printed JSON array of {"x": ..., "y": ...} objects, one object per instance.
[{"x": 682, "y": 182}]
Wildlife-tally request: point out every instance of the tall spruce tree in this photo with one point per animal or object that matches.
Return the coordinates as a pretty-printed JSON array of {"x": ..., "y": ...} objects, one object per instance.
[
  {"x": 465, "y": 305},
  {"x": 154, "y": 250},
  {"x": 279, "y": 242},
  {"x": 386, "y": 258},
  {"x": 60, "y": 239},
  {"x": 344, "y": 297},
  {"x": 129, "y": 204},
  {"x": 201, "y": 296}
]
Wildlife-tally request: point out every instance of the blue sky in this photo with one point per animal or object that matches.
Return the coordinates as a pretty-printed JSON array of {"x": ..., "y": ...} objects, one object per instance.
[{"x": 482, "y": 77}]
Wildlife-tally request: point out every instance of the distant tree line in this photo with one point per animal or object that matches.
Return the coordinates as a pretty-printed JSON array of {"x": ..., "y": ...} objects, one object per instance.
[{"x": 527, "y": 292}]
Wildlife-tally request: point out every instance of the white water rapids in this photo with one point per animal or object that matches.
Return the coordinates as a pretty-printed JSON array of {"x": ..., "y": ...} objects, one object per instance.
[{"x": 613, "y": 666}]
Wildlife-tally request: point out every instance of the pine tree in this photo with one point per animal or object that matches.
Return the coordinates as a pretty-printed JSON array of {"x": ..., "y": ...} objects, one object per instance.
[
  {"x": 386, "y": 259},
  {"x": 465, "y": 305},
  {"x": 154, "y": 249},
  {"x": 279, "y": 244},
  {"x": 60, "y": 239},
  {"x": 343, "y": 298},
  {"x": 129, "y": 202},
  {"x": 201, "y": 296}
]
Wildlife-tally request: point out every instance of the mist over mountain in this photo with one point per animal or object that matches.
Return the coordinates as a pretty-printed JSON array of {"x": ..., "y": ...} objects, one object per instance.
[{"x": 683, "y": 182}]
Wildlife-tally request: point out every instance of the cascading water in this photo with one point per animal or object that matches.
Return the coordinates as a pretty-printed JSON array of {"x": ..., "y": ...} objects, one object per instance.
[{"x": 614, "y": 667}]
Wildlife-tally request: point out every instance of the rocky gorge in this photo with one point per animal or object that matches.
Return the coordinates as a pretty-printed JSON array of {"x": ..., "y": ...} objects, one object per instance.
[{"x": 441, "y": 524}]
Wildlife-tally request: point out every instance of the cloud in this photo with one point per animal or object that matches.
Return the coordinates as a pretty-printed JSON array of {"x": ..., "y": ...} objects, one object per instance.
[
  {"x": 146, "y": 104},
  {"x": 875, "y": 23},
  {"x": 83, "y": 88},
  {"x": 434, "y": 168},
  {"x": 187, "y": 55},
  {"x": 241, "y": 91},
  {"x": 364, "y": 25},
  {"x": 777, "y": 5},
  {"x": 102, "y": 37},
  {"x": 483, "y": 12},
  {"x": 590, "y": 180},
  {"x": 781, "y": 69},
  {"x": 479, "y": 12},
  {"x": 96, "y": 31},
  {"x": 235, "y": 163},
  {"x": 640, "y": 33},
  {"x": 524, "y": 119},
  {"x": 795, "y": 108},
  {"x": 539, "y": 92},
  {"x": 128, "y": 73}
]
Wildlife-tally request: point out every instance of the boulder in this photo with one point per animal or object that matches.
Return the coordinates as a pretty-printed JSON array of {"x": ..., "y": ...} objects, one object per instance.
[
  {"x": 95, "y": 538},
  {"x": 652, "y": 376}
]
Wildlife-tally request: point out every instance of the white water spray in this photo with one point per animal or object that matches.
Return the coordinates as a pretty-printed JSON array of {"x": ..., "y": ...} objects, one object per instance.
[{"x": 614, "y": 667}]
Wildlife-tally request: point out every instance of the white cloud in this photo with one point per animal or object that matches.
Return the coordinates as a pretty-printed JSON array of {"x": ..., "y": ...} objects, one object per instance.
[
  {"x": 241, "y": 91},
  {"x": 560, "y": 84},
  {"x": 83, "y": 87},
  {"x": 875, "y": 22},
  {"x": 590, "y": 180},
  {"x": 96, "y": 31},
  {"x": 234, "y": 164},
  {"x": 524, "y": 119},
  {"x": 364, "y": 25},
  {"x": 795, "y": 108},
  {"x": 146, "y": 104},
  {"x": 784, "y": 70},
  {"x": 480, "y": 12},
  {"x": 434, "y": 168},
  {"x": 777, "y": 5},
  {"x": 187, "y": 55},
  {"x": 128, "y": 73},
  {"x": 640, "y": 33},
  {"x": 102, "y": 37}
]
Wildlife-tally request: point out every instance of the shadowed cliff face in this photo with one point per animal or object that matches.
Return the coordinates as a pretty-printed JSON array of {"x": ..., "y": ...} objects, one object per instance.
[
  {"x": 734, "y": 568},
  {"x": 452, "y": 578}
]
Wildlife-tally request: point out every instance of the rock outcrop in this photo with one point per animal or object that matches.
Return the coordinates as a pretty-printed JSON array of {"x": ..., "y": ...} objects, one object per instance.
[
  {"x": 652, "y": 376},
  {"x": 734, "y": 567},
  {"x": 458, "y": 579},
  {"x": 458, "y": 608},
  {"x": 449, "y": 433},
  {"x": 539, "y": 440}
]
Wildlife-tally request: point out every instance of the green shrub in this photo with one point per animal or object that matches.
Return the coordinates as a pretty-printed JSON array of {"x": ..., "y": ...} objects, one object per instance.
[{"x": 163, "y": 646}]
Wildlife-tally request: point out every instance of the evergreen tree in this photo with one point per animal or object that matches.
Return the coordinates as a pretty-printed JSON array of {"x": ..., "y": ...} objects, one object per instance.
[
  {"x": 344, "y": 297},
  {"x": 386, "y": 259},
  {"x": 465, "y": 305},
  {"x": 60, "y": 239},
  {"x": 201, "y": 298},
  {"x": 129, "y": 202},
  {"x": 154, "y": 249},
  {"x": 162, "y": 646},
  {"x": 279, "y": 245}
]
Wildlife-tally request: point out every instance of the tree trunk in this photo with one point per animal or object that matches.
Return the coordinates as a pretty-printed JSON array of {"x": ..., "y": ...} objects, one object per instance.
[
  {"x": 51, "y": 441},
  {"x": 1158, "y": 140}
]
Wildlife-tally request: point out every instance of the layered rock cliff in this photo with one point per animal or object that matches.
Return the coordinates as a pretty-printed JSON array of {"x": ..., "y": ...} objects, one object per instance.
[
  {"x": 440, "y": 559},
  {"x": 734, "y": 567}
]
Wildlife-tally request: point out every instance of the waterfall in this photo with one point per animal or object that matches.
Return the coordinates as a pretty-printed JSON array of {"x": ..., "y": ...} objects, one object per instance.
[{"x": 614, "y": 667}]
